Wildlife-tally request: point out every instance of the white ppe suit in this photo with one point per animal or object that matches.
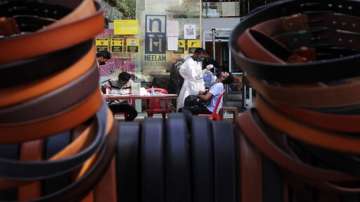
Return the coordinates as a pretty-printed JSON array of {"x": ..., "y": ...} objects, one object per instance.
[{"x": 192, "y": 73}]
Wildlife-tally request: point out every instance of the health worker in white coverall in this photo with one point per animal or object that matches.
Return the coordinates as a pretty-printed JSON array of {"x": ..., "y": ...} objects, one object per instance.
[{"x": 191, "y": 71}]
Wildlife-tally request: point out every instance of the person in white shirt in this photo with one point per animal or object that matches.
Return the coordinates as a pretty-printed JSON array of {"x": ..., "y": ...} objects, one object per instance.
[
  {"x": 121, "y": 86},
  {"x": 191, "y": 71},
  {"x": 207, "y": 101}
]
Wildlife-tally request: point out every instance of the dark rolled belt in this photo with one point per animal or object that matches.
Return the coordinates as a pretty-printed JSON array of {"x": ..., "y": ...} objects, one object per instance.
[
  {"x": 224, "y": 162},
  {"x": 310, "y": 72},
  {"x": 152, "y": 161},
  {"x": 33, "y": 9},
  {"x": 177, "y": 159},
  {"x": 53, "y": 102},
  {"x": 34, "y": 69},
  {"x": 202, "y": 159},
  {"x": 32, "y": 16},
  {"x": 128, "y": 162}
]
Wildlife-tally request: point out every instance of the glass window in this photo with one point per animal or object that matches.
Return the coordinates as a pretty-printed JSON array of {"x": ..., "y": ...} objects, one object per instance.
[{"x": 221, "y": 9}]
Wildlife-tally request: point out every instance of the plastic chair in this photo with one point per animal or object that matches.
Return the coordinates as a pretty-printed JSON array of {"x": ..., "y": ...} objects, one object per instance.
[{"x": 158, "y": 106}]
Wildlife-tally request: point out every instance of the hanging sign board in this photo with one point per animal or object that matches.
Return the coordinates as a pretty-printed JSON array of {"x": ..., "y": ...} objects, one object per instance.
[
  {"x": 132, "y": 45},
  {"x": 117, "y": 45},
  {"x": 181, "y": 46},
  {"x": 102, "y": 44},
  {"x": 126, "y": 27}
]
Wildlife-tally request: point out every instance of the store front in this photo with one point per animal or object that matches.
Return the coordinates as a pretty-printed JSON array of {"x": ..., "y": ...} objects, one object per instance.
[{"x": 147, "y": 46}]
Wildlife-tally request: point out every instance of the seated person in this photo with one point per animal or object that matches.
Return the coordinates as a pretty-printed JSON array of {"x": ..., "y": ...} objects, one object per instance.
[
  {"x": 121, "y": 86},
  {"x": 206, "y": 101}
]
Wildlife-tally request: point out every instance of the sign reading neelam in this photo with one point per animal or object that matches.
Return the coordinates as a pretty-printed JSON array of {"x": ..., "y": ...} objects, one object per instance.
[{"x": 155, "y": 37}]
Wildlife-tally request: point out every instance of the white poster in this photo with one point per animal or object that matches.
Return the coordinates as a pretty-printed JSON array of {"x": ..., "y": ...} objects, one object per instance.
[
  {"x": 189, "y": 31},
  {"x": 172, "y": 28},
  {"x": 172, "y": 42}
]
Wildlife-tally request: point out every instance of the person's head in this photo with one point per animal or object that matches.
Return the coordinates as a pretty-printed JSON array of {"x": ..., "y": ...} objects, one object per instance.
[
  {"x": 103, "y": 57},
  {"x": 199, "y": 54},
  {"x": 225, "y": 77},
  {"x": 124, "y": 77}
]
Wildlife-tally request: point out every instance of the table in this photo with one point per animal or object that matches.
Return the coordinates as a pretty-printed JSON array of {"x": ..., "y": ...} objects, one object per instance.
[
  {"x": 156, "y": 104},
  {"x": 111, "y": 97}
]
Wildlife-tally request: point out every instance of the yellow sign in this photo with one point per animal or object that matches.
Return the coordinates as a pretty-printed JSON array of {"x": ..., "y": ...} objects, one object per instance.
[
  {"x": 102, "y": 44},
  {"x": 181, "y": 46},
  {"x": 181, "y": 43},
  {"x": 117, "y": 44},
  {"x": 126, "y": 27},
  {"x": 132, "y": 45},
  {"x": 193, "y": 44}
]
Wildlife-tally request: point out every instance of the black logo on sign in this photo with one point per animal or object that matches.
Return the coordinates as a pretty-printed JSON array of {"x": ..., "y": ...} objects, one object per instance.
[{"x": 155, "y": 35}]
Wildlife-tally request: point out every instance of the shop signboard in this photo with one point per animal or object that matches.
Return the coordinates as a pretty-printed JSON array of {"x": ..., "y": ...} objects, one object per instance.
[
  {"x": 155, "y": 38},
  {"x": 102, "y": 44},
  {"x": 132, "y": 45},
  {"x": 193, "y": 44},
  {"x": 181, "y": 46},
  {"x": 126, "y": 27},
  {"x": 117, "y": 45}
]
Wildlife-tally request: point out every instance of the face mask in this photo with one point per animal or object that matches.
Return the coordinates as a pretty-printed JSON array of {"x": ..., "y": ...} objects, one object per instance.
[{"x": 200, "y": 59}]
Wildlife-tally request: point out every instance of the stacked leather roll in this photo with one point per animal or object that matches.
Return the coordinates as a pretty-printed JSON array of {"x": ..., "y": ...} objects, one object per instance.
[
  {"x": 299, "y": 142},
  {"x": 178, "y": 159},
  {"x": 57, "y": 137}
]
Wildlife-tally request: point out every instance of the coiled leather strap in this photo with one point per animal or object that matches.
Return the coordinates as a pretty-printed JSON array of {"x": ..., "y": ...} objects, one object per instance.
[{"x": 77, "y": 28}]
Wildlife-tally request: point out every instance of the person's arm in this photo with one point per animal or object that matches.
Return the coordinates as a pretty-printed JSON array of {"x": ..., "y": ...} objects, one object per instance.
[
  {"x": 205, "y": 97},
  {"x": 215, "y": 90}
]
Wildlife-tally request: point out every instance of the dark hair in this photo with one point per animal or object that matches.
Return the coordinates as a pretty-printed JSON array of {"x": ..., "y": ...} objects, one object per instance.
[
  {"x": 199, "y": 51},
  {"x": 229, "y": 79},
  {"x": 105, "y": 54},
  {"x": 124, "y": 77}
]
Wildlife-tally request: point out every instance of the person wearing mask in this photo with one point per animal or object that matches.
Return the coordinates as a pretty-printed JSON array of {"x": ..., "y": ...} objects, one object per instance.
[
  {"x": 102, "y": 57},
  {"x": 206, "y": 101},
  {"x": 121, "y": 86},
  {"x": 192, "y": 73}
]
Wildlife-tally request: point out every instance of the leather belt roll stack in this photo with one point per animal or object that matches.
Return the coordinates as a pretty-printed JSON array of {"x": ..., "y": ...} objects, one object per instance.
[
  {"x": 187, "y": 159},
  {"x": 299, "y": 142},
  {"x": 57, "y": 136}
]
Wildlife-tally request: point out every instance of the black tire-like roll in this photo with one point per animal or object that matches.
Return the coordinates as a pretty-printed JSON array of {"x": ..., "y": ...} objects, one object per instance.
[
  {"x": 177, "y": 158},
  {"x": 152, "y": 161},
  {"x": 127, "y": 162},
  {"x": 224, "y": 162},
  {"x": 202, "y": 160}
]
